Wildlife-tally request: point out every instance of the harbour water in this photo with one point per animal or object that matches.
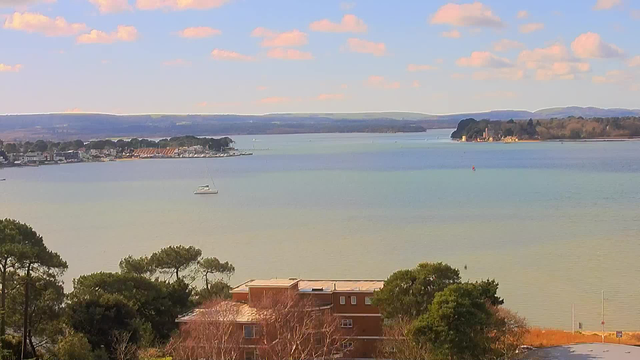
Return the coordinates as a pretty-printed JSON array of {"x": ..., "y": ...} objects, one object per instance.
[{"x": 555, "y": 223}]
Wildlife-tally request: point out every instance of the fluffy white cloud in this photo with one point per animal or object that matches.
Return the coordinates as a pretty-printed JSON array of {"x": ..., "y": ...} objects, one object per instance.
[
  {"x": 523, "y": 14},
  {"x": 529, "y": 28},
  {"x": 606, "y": 4},
  {"x": 348, "y": 24},
  {"x": 22, "y": 3},
  {"x": 280, "y": 39},
  {"x": 415, "y": 67},
  {"x": 537, "y": 57},
  {"x": 634, "y": 61},
  {"x": 10, "y": 68},
  {"x": 124, "y": 33},
  {"x": 111, "y": 6},
  {"x": 366, "y": 47},
  {"x": 475, "y": 14},
  {"x": 613, "y": 77},
  {"x": 289, "y": 54},
  {"x": 553, "y": 62},
  {"x": 454, "y": 34},
  {"x": 506, "y": 45},
  {"x": 198, "y": 32},
  {"x": 380, "y": 82},
  {"x": 38, "y": 23},
  {"x": 512, "y": 74},
  {"x": 179, "y": 4},
  {"x": 591, "y": 46},
  {"x": 484, "y": 59},
  {"x": 562, "y": 70},
  {"x": 219, "y": 54}
]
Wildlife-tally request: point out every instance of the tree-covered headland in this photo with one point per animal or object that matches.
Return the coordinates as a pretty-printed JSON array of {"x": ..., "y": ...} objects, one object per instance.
[{"x": 574, "y": 128}]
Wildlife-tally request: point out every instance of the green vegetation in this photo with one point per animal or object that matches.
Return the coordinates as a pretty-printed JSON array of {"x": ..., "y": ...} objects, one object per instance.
[
  {"x": 568, "y": 128},
  {"x": 120, "y": 145},
  {"x": 430, "y": 314},
  {"x": 107, "y": 315}
]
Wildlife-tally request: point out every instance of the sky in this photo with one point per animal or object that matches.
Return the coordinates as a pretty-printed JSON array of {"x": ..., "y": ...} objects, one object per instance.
[{"x": 267, "y": 56}]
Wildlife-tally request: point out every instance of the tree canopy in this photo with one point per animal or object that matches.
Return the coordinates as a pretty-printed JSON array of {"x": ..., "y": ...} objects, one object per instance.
[
  {"x": 455, "y": 324},
  {"x": 27, "y": 264},
  {"x": 138, "y": 266},
  {"x": 546, "y": 129},
  {"x": 173, "y": 260},
  {"x": 408, "y": 293},
  {"x": 433, "y": 315}
]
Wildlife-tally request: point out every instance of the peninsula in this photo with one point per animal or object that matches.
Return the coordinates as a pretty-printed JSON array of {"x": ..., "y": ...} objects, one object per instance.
[
  {"x": 43, "y": 152},
  {"x": 571, "y": 128}
]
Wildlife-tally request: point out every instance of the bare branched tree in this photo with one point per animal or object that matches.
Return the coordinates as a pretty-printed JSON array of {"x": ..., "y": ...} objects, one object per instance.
[
  {"x": 294, "y": 327},
  {"x": 122, "y": 346},
  {"x": 212, "y": 332},
  {"x": 509, "y": 333},
  {"x": 398, "y": 343}
]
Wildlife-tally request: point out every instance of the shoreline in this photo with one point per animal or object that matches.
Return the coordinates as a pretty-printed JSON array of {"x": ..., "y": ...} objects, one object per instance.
[
  {"x": 545, "y": 338},
  {"x": 595, "y": 140},
  {"x": 107, "y": 160}
]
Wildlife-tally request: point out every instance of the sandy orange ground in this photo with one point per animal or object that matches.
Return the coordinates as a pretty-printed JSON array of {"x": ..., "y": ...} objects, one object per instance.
[{"x": 548, "y": 337}]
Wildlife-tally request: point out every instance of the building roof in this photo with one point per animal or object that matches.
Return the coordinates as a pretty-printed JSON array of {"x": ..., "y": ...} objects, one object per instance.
[
  {"x": 285, "y": 283},
  {"x": 340, "y": 285},
  {"x": 314, "y": 285},
  {"x": 228, "y": 310}
]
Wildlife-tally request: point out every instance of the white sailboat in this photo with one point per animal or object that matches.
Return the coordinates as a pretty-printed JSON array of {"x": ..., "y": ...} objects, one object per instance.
[{"x": 205, "y": 190}]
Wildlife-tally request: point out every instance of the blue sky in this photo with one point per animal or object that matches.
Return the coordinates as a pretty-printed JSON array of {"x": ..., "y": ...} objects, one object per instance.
[{"x": 120, "y": 56}]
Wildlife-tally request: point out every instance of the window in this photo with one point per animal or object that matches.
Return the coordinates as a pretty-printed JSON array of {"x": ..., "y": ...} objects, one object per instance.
[
  {"x": 343, "y": 300},
  {"x": 251, "y": 355},
  {"x": 347, "y": 345},
  {"x": 353, "y": 300},
  {"x": 346, "y": 323},
  {"x": 368, "y": 300},
  {"x": 249, "y": 331}
]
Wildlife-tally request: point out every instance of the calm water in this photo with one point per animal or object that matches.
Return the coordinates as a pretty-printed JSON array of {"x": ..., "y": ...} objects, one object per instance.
[{"x": 554, "y": 223}]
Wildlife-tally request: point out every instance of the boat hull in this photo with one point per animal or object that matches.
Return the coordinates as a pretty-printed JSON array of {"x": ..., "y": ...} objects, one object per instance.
[{"x": 207, "y": 192}]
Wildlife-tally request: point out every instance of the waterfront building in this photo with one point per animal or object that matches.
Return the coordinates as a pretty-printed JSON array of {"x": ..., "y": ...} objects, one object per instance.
[{"x": 349, "y": 300}]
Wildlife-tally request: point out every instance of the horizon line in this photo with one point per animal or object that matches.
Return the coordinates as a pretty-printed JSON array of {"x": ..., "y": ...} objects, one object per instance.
[{"x": 309, "y": 113}]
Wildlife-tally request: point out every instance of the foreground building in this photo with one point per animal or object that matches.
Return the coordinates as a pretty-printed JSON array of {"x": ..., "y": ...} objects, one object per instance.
[{"x": 350, "y": 301}]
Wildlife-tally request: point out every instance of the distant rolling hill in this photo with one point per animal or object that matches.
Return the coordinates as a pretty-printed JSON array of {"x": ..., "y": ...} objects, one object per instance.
[{"x": 87, "y": 126}]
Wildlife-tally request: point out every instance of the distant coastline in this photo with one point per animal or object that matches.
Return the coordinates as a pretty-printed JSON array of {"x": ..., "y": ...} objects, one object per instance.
[
  {"x": 18, "y": 154},
  {"x": 66, "y": 126},
  {"x": 569, "y": 129}
]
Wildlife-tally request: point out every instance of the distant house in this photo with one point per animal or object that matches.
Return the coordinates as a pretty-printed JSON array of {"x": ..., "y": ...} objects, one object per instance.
[
  {"x": 153, "y": 152},
  {"x": 59, "y": 156},
  {"x": 16, "y": 157},
  {"x": 34, "y": 157},
  {"x": 71, "y": 156},
  {"x": 109, "y": 152}
]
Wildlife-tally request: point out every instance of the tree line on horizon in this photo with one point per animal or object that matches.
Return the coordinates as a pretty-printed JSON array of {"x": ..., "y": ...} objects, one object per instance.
[
  {"x": 214, "y": 144},
  {"x": 573, "y": 128}
]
